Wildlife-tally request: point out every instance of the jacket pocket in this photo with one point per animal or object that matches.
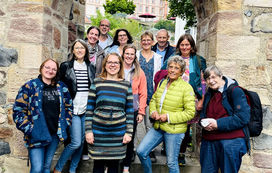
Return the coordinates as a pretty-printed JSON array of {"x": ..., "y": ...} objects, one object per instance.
[{"x": 40, "y": 132}]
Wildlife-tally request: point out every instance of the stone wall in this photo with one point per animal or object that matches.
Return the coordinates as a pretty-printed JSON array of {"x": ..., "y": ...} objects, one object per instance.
[
  {"x": 30, "y": 32},
  {"x": 236, "y": 35}
]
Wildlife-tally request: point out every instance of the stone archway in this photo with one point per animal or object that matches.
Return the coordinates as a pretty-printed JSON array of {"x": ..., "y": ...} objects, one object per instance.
[
  {"x": 30, "y": 32},
  {"x": 236, "y": 35}
]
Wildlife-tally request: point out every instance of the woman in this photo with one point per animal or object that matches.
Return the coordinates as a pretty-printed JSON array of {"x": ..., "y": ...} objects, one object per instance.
[
  {"x": 78, "y": 74},
  {"x": 96, "y": 53},
  {"x": 150, "y": 63},
  {"x": 109, "y": 116},
  {"x": 43, "y": 111},
  {"x": 172, "y": 105},
  {"x": 135, "y": 75},
  {"x": 195, "y": 66},
  {"x": 225, "y": 132},
  {"x": 120, "y": 39}
]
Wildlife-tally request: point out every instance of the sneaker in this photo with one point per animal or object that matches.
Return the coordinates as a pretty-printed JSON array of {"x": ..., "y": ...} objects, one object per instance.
[
  {"x": 152, "y": 157},
  {"x": 85, "y": 157},
  {"x": 181, "y": 160}
]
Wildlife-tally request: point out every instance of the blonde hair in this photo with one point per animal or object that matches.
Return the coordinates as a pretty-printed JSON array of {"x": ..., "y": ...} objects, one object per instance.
[{"x": 103, "y": 73}]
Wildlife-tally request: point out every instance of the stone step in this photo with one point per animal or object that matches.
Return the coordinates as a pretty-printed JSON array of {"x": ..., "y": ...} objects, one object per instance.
[{"x": 192, "y": 165}]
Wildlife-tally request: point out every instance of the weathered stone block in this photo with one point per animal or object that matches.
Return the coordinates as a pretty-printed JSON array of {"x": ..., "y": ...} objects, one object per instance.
[
  {"x": 262, "y": 160},
  {"x": 267, "y": 118},
  {"x": 3, "y": 97},
  {"x": 229, "y": 5},
  {"x": 237, "y": 47},
  {"x": 26, "y": 29},
  {"x": 229, "y": 68},
  {"x": 57, "y": 38},
  {"x": 26, "y": 7},
  {"x": 31, "y": 56},
  {"x": 258, "y": 3},
  {"x": 228, "y": 20},
  {"x": 71, "y": 37},
  {"x": 4, "y": 148},
  {"x": 5, "y": 132},
  {"x": 1, "y": 13},
  {"x": 47, "y": 32},
  {"x": 55, "y": 4},
  {"x": 16, "y": 165},
  {"x": 3, "y": 116},
  {"x": 3, "y": 79},
  {"x": 7, "y": 56},
  {"x": 17, "y": 144},
  {"x": 262, "y": 142},
  {"x": 262, "y": 23}
]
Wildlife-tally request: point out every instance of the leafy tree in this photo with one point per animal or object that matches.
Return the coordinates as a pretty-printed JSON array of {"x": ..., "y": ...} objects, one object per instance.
[
  {"x": 165, "y": 24},
  {"x": 119, "y": 6},
  {"x": 132, "y": 26},
  {"x": 183, "y": 9}
]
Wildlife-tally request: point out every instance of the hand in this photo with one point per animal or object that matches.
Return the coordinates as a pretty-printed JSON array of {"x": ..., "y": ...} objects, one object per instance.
[
  {"x": 212, "y": 126},
  {"x": 126, "y": 139},
  {"x": 139, "y": 118},
  {"x": 155, "y": 115},
  {"x": 89, "y": 138},
  {"x": 163, "y": 117}
]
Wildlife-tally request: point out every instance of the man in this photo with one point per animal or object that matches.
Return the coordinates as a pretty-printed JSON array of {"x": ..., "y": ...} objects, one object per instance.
[
  {"x": 163, "y": 47},
  {"x": 104, "y": 39}
]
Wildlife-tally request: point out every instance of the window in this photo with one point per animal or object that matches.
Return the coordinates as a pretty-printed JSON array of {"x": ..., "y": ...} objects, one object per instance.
[
  {"x": 140, "y": 9},
  {"x": 153, "y": 11},
  {"x": 146, "y": 9}
]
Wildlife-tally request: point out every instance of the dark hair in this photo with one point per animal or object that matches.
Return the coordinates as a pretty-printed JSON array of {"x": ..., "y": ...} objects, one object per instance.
[
  {"x": 55, "y": 79},
  {"x": 104, "y": 72},
  {"x": 86, "y": 56},
  {"x": 191, "y": 41},
  {"x": 93, "y": 27},
  {"x": 115, "y": 38}
]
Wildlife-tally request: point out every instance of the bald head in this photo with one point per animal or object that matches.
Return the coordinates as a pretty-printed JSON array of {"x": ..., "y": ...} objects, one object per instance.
[
  {"x": 104, "y": 26},
  {"x": 162, "y": 38}
]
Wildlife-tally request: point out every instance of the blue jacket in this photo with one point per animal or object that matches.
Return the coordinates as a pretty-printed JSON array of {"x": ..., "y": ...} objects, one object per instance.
[
  {"x": 170, "y": 50},
  {"x": 28, "y": 114},
  {"x": 239, "y": 114},
  {"x": 195, "y": 78}
]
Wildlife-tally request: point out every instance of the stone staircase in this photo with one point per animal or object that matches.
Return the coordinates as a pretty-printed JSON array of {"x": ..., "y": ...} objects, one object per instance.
[{"x": 192, "y": 161}]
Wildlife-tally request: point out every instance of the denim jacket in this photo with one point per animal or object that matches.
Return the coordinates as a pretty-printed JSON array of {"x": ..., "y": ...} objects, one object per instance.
[{"x": 28, "y": 114}]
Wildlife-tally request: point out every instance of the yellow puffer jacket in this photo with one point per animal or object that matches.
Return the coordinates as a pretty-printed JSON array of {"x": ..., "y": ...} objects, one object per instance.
[{"x": 179, "y": 104}]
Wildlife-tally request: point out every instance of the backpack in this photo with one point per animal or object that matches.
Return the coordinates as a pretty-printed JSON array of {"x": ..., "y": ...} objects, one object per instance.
[{"x": 255, "y": 124}]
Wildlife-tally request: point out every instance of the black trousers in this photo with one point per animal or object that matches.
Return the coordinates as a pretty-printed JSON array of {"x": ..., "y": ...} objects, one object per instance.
[{"x": 99, "y": 166}]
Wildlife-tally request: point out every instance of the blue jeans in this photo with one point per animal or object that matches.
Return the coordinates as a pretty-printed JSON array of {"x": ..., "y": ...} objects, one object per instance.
[
  {"x": 224, "y": 154},
  {"x": 41, "y": 157},
  {"x": 74, "y": 149},
  {"x": 152, "y": 139}
]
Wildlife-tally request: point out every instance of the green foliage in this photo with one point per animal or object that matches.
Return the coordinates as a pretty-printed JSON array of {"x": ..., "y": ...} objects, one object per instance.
[
  {"x": 119, "y": 6},
  {"x": 183, "y": 9},
  {"x": 165, "y": 24},
  {"x": 132, "y": 26}
]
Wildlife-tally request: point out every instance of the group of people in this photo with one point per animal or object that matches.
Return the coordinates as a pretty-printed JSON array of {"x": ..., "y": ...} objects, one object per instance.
[{"x": 107, "y": 87}]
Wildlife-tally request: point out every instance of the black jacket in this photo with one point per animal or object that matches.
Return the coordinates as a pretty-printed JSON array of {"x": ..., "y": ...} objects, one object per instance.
[
  {"x": 170, "y": 50},
  {"x": 68, "y": 76}
]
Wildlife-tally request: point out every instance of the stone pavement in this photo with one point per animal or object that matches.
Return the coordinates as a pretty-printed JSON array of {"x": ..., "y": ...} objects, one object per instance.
[{"x": 192, "y": 163}]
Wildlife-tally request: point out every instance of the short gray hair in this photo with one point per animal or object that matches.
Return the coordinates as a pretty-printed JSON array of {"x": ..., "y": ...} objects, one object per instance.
[
  {"x": 179, "y": 60},
  {"x": 212, "y": 68}
]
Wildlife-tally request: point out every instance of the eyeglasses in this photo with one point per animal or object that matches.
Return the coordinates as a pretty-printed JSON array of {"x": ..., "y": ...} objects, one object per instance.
[
  {"x": 113, "y": 63},
  {"x": 105, "y": 25},
  {"x": 122, "y": 35},
  {"x": 79, "y": 48},
  {"x": 49, "y": 68}
]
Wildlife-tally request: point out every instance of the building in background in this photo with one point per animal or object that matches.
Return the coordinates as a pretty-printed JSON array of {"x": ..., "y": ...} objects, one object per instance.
[{"x": 159, "y": 8}]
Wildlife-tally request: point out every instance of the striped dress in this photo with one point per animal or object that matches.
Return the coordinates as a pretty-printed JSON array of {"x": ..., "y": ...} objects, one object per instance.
[{"x": 109, "y": 116}]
